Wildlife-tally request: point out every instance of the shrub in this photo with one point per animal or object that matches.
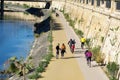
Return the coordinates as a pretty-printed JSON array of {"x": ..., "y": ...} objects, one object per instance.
[
  {"x": 80, "y": 33},
  {"x": 112, "y": 68},
  {"x": 50, "y": 39},
  {"x": 67, "y": 16},
  {"x": 100, "y": 58},
  {"x": 30, "y": 57},
  {"x": 25, "y": 6},
  {"x": 48, "y": 57},
  {"x": 40, "y": 69},
  {"x": 50, "y": 47},
  {"x": 113, "y": 78},
  {"x": 37, "y": 35},
  {"x": 71, "y": 22},
  {"x": 34, "y": 76},
  {"x": 88, "y": 42},
  {"x": 13, "y": 68},
  {"x": 96, "y": 52},
  {"x": 44, "y": 63},
  {"x": 102, "y": 39}
]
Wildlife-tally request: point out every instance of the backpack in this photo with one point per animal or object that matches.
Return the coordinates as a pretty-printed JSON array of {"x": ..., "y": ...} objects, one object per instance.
[
  {"x": 89, "y": 54},
  {"x": 63, "y": 47}
]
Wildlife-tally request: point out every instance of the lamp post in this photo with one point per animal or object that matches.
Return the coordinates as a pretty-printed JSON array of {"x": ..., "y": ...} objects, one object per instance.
[{"x": 2, "y": 10}]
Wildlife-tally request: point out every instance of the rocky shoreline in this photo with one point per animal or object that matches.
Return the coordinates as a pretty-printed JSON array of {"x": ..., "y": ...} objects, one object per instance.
[{"x": 41, "y": 43}]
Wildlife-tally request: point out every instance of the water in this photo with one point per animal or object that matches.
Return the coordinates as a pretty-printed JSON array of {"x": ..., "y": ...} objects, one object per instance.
[{"x": 16, "y": 38}]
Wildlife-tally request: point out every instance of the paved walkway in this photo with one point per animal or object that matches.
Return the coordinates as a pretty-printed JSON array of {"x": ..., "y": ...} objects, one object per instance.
[{"x": 73, "y": 66}]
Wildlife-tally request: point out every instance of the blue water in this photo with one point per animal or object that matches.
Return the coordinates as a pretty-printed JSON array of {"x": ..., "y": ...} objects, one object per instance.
[{"x": 16, "y": 39}]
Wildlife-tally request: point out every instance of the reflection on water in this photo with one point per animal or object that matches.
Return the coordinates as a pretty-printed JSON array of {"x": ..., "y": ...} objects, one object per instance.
[{"x": 16, "y": 39}]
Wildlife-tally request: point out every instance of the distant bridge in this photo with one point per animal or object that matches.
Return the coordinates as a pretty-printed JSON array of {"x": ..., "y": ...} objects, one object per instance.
[{"x": 48, "y": 2}]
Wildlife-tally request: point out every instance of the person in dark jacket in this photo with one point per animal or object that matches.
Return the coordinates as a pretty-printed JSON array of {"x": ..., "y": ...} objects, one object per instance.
[{"x": 57, "y": 50}]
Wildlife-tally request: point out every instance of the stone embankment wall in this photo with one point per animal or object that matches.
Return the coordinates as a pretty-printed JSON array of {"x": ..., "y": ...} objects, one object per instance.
[
  {"x": 21, "y": 13},
  {"x": 100, "y": 25},
  {"x": 32, "y": 4}
]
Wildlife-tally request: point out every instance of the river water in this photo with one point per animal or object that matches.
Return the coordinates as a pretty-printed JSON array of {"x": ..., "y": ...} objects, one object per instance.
[{"x": 16, "y": 39}]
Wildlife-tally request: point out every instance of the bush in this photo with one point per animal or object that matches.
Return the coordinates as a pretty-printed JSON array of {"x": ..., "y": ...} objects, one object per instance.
[
  {"x": 50, "y": 37},
  {"x": 102, "y": 39},
  {"x": 50, "y": 47},
  {"x": 113, "y": 78},
  {"x": 13, "y": 68},
  {"x": 67, "y": 16},
  {"x": 96, "y": 52},
  {"x": 25, "y": 6},
  {"x": 100, "y": 58},
  {"x": 37, "y": 35},
  {"x": 79, "y": 32},
  {"x": 30, "y": 57},
  {"x": 112, "y": 69},
  {"x": 44, "y": 63},
  {"x": 48, "y": 57},
  {"x": 34, "y": 76},
  {"x": 40, "y": 69},
  {"x": 71, "y": 22},
  {"x": 88, "y": 42}
]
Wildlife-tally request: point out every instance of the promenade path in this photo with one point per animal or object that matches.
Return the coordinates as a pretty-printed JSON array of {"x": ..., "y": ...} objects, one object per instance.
[{"x": 72, "y": 66}]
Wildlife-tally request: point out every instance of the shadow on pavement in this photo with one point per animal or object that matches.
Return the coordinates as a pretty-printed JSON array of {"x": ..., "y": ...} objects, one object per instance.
[
  {"x": 71, "y": 57},
  {"x": 57, "y": 26},
  {"x": 78, "y": 52}
]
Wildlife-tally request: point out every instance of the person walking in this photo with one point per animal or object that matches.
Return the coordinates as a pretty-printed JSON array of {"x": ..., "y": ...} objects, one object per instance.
[
  {"x": 57, "y": 51},
  {"x": 88, "y": 55},
  {"x": 70, "y": 43},
  {"x": 63, "y": 50},
  {"x": 82, "y": 42}
]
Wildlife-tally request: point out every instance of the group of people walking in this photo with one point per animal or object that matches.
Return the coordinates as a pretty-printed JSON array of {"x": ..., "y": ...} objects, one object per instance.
[
  {"x": 71, "y": 43},
  {"x": 62, "y": 49}
]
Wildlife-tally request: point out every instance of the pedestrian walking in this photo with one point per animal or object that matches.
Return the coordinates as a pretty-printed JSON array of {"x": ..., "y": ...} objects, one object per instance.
[
  {"x": 57, "y": 51},
  {"x": 70, "y": 43},
  {"x": 88, "y": 55},
  {"x": 63, "y": 50}
]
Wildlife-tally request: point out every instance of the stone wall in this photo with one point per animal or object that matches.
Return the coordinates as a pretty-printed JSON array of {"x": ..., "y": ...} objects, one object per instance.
[
  {"x": 31, "y": 4},
  {"x": 102, "y": 26}
]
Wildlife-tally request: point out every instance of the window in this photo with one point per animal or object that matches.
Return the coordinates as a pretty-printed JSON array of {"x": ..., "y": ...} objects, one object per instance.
[
  {"x": 86, "y": 1},
  {"x": 118, "y": 5},
  {"x": 89, "y": 1},
  {"x": 98, "y": 2},
  {"x": 92, "y": 2},
  {"x": 102, "y": 1},
  {"x": 80, "y": 1},
  {"x": 83, "y": 1},
  {"x": 108, "y": 3}
]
